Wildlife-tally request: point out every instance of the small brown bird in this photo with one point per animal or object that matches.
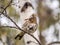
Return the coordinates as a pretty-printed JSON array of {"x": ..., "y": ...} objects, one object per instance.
[
  {"x": 26, "y": 6},
  {"x": 30, "y": 26}
]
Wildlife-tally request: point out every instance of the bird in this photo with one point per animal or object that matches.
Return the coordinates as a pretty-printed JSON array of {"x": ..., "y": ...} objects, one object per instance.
[
  {"x": 29, "y": 26},
  {"x": 25, "y": 6}
]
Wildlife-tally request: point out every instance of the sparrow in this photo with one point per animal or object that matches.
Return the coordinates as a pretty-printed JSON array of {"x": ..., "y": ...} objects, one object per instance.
[{"x": 29, "y": 26}]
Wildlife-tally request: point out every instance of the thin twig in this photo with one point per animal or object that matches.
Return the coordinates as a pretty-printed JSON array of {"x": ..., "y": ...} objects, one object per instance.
[
  {"x": 8, "y": 27},
  {"x": 16, "y": 24},
  {"x": 57, "y": 42},
  {"x": 7, "y": 5}
]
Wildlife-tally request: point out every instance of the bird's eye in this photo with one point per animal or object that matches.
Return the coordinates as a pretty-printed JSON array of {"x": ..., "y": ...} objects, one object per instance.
[{"x": 30, "y": 28}]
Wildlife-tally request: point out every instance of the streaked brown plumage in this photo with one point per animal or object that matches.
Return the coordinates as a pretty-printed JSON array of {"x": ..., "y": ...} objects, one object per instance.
[{"x": 30, "y": 26}]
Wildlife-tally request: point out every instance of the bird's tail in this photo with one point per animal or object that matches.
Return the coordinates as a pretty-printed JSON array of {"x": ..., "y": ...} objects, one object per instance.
[{"x": 20, "y": 35}]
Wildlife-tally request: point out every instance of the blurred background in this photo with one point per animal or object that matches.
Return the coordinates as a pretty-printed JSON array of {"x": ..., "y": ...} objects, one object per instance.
[{"x": 48, "y": 14}]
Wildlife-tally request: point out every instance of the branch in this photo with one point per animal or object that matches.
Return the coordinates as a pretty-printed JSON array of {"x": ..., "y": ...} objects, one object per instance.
[
  {"x": 7, "y": 5},
  {"x": 8, "y": 27},
  {"x": 15, "y": 22}
]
